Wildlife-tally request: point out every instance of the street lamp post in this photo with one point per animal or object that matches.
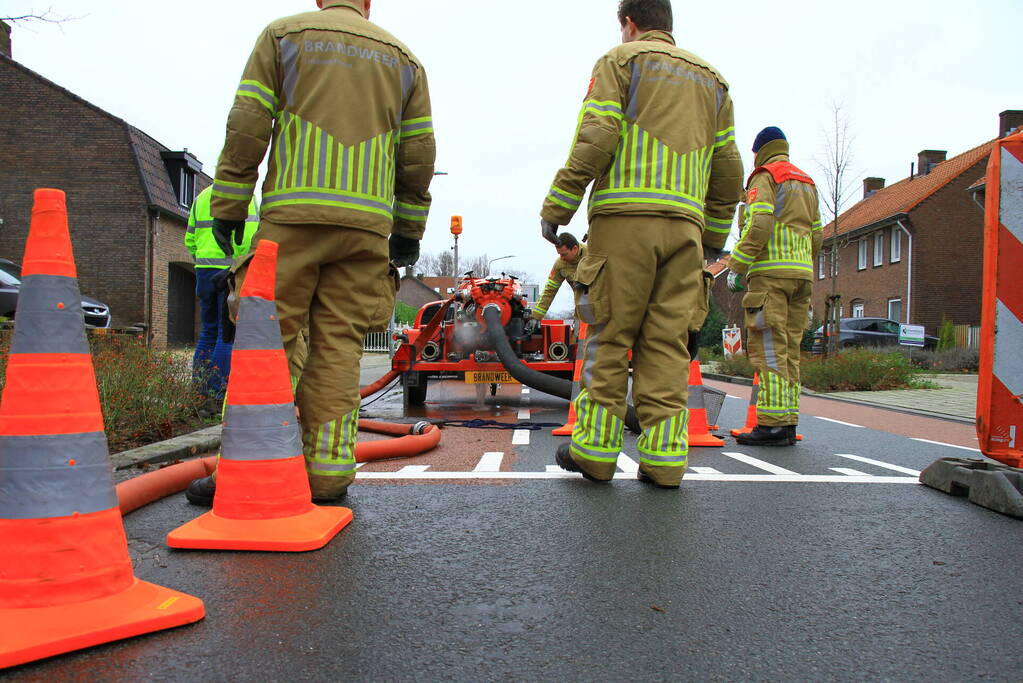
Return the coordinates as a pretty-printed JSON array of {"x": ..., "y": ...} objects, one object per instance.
[{"x": 499, "y": 258}]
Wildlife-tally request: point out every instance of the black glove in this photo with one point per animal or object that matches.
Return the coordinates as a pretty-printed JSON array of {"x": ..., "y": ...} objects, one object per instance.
[
  {"x": 228, "y": 233},
  {"x": 712, "y": 253},
  {"x": 222, "y": 280},
  {"x": 404, "y": 251},
  {"x": 549, "y": 231},
  {"x": 532, "y": 326}
]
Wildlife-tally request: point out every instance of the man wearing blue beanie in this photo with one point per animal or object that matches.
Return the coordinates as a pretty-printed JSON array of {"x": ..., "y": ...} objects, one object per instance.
[{"x": 779, "y": 243}]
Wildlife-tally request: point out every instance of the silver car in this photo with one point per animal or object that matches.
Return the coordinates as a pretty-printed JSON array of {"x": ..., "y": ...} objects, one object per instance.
[{"x": 97, "y": 313}]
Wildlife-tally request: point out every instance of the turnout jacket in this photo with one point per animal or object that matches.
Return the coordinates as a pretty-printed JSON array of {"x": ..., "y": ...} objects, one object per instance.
[
  {"x": 345, "y": 108},
  {"x": 201, "y": 243},
  {"x": 656, "y": 132},
  {"x": 562, "y": 270},
  {"x": 782, "y": 234}
]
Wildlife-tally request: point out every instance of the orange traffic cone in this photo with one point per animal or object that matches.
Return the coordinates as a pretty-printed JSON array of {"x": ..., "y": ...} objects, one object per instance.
[
  {"x": 566, "y": 429},
  {"x": 262, "y": 500},
  {"x": 751, "y": 411},
  {"x": 66, "y": 581},
  {"x": 699, "y": 430}
]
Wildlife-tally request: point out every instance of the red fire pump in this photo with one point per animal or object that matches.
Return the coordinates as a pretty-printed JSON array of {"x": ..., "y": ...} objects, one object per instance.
[{"x": 479, "y": 336}]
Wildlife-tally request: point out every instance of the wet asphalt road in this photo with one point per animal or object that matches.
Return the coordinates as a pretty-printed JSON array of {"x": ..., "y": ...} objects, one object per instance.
[{"x": 746, "y": 573}]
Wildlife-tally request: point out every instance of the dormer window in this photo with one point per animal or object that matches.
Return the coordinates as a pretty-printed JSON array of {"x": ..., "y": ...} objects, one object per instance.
[
  {"x": 182, "y": 168},
  {"x": 186, "y": 188}
]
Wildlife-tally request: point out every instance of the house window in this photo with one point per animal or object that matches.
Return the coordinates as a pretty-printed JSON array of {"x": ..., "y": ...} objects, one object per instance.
[
  {"x": 186, "y": 188},
  {"x": 878, "y": 249},
  {"x": 896, "y": 246},
  {"x": 861, "y": 263},
  {"x": 857, "y": 309},
  {"x": 895, "y": 309},
  {"x": 822, "y": 261}
]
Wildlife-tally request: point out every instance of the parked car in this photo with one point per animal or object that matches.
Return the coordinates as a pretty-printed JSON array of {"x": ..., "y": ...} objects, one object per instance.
[
  {"x": 859, "y": 332},
  {"x": 97, "y": 313}
]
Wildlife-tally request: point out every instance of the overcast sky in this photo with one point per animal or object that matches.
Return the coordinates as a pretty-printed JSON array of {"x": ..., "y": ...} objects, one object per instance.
[{"x": 507, "y": 80}]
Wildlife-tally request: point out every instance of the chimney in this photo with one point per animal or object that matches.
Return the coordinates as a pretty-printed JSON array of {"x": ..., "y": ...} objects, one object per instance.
[
  {"x": 928, "y": 159},
  {"x": 872, "y": 185},
  {"x": 1008, "y": 121},
  {"x": 5, "y": 40}
]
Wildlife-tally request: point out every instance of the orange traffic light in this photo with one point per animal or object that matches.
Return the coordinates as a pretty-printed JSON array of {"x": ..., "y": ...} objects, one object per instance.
[{"x": 456, "y": 225}]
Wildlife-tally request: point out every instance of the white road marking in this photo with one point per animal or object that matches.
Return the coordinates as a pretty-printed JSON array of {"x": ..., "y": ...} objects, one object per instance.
[
  {"x": 410, "y": 469},
  {"x": 525, "y": 391},
  {"x": 520, "y": 437},
  {"x": 555, "y": 472},
  {"x": 490, "y": 462},
  {"x": 950, "y": 445},
  {"x": 627, "y": 464},
  {"x": 839, "y": 422},
  {"x": 760, "y": 464},
  {"x": 524, "y": 405},
  {"x": 523, "y": 414},
  {"x": 878, "y": 463},
  {"x": 730, "y": 396},
  {"x": 704, "y": 470},
  {"x": 849, "y": 472}
]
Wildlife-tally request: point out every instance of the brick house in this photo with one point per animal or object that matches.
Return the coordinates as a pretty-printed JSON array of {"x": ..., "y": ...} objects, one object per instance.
[
  {"x": 912, "y": 251},
  {"x": 128, "y": 198}
]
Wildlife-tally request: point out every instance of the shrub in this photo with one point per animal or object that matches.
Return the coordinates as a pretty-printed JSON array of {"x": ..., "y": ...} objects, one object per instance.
[
  {"x": 951, "y": 360},
  {"x": 736, "y": 366},
  {"x": 403, "y": 313},
  {"x": 710, "y": 333},
  {"x": 807, "y": 343},
  {"x": 946, "y": 335},
  {"x": 145, "y": 395},
  {"x": 858, "y": 370}
]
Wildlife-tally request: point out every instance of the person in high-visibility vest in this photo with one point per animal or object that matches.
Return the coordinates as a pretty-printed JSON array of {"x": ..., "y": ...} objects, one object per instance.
[
  {"x": 570, "y": 252},
  {"x": 779, "y": 244},
  {"x": 344, "y": 108},
  {"x": 211, "y": 363},
  {"x": 656, "y": 137}
]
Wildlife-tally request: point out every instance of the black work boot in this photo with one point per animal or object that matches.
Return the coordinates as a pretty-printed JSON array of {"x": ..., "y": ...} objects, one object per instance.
[
  {"x": 564, "y": 459},
  {"x": 792, "y": 435},
  {"x": 200, "y": 491},
  {"x": 766, "y": 436}
]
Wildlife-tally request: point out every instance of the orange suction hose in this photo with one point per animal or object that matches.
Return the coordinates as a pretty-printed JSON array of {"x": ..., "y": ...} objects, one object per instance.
[{"x": 152, "y": 486}]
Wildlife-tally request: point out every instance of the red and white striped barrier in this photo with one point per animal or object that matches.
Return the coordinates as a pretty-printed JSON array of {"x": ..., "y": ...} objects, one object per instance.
[{"x": 1000, "y": 386}]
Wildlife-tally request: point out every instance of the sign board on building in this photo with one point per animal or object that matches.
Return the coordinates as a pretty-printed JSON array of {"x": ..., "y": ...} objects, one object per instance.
[
  {"x": 911, "y": 335},
  {"x": 731, "y": 340}
]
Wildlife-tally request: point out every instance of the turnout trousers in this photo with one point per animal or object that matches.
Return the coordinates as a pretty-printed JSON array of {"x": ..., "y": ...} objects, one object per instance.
[
  {"x": 638, "y": 288},
  {"x": 333, "y": 285},
  {"x": 775, "y": 317}
]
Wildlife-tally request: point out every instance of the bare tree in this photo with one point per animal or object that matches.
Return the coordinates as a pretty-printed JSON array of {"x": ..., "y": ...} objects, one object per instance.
[
  {"x": 446, "y": 264},
  {"x": 47, "y": 16},
  {"x": 479, "y": 265},
  {"x": 838, "y": 157}
]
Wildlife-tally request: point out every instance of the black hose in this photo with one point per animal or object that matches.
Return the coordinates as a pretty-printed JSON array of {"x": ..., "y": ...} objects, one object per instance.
[{"x": 555, "y": 386}]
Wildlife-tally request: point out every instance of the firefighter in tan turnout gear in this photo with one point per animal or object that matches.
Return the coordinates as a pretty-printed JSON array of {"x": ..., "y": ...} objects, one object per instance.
[
  {"x": 656, "y": 133},
  {"x": 570, "y": 252},
  {"x": 779, "y": 244},
  {"x": 345, "y": 110}
]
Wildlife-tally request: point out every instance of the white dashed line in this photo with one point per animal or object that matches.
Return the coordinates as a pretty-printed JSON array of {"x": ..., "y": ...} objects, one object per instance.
[
  {"x": 520, "y": 437},
  {"x": 848, "y": 472},
  {"x": 627, "y": 464},
  {"x": 408, "y": 469},
  {"x": 490, "y": 462},
  {"x": 950, "y": 445},
  {"x": 839, "y": 422},
  {"x": 878, "y": 463},
  {"x": 759, "y": 464},
  {"x": 555, "y": 472},
  {"x": 525, "y": 391},
  {"x": 704, "y": 470},
  {"x": 523, "y": 414}
]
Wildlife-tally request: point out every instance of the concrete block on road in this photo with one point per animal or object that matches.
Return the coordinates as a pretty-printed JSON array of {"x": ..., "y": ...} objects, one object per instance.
[{"x": 991, "y": 485}]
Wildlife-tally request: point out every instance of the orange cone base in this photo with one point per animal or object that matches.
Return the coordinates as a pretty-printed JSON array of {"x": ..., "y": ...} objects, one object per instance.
[
  {"x": 564, "y": 430},
  {"x": 309, "y": 531},
  {"x": 38, "y": 632},
  {"x": 705, "y": 440}
]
